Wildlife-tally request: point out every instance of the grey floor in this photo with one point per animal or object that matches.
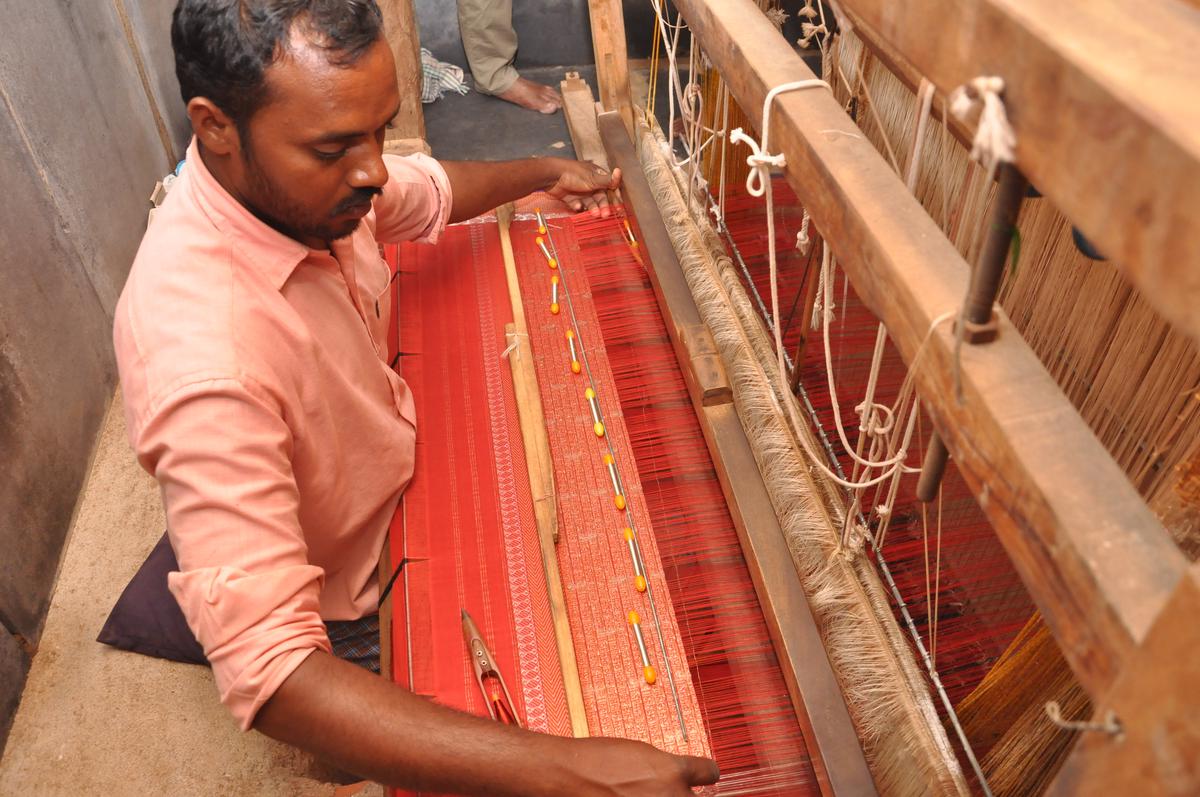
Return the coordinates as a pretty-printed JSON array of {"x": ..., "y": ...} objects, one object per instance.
[{"x": 477, "y": 127}]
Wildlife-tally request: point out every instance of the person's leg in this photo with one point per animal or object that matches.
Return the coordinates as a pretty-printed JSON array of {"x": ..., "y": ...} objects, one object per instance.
[
  {"x": 491, "y": 45},
  {"x": 490, "y": 42}
]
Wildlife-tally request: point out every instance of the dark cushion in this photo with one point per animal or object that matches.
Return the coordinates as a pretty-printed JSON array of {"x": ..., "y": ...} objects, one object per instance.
[{"x": 147, "y": 619}]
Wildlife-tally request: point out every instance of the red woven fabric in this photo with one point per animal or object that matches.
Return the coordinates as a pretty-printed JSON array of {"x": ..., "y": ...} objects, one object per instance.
[{"x": 466, "y": 522}]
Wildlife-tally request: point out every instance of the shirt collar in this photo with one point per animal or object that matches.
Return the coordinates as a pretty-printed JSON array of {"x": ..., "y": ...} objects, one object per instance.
[{"x": 265, "y": 247}]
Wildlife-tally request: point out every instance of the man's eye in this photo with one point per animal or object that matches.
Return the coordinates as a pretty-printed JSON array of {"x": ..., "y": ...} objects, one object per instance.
[{"x": 330, "y": 155}]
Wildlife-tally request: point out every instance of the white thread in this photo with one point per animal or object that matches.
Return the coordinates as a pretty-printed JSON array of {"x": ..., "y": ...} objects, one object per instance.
[
  {"x": 1109, "y": 724},
  {"x": 514, "y": 340},
  {"x": 994, "y": 141}
]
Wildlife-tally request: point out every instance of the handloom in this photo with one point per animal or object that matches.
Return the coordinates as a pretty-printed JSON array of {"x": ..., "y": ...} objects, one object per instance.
[{"x": 775, "y": 368}]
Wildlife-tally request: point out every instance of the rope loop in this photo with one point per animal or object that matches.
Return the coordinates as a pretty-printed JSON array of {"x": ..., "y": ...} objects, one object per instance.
[{"x": 760, "y": 160}]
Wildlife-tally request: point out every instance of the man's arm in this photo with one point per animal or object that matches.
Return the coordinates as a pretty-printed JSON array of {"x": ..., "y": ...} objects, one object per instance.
[
  {"x": 479, "y": 186},
  {"x": 375, "y": 729}
]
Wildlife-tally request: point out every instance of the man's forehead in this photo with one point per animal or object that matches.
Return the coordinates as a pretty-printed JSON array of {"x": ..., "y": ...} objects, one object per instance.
[{"x": 311, "y": 81}]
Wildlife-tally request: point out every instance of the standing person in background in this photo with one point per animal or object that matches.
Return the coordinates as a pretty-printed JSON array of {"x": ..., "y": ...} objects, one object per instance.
[{"x": 491, "y": 45}]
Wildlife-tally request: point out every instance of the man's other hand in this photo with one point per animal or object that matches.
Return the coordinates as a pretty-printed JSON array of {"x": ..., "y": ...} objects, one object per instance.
[
  {"x": 634, "y": 769},
  {"x": 583, "y": 185}
]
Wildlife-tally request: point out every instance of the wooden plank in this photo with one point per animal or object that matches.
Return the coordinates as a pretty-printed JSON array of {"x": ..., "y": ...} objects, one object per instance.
[
  {"x": 1095, "y": 559},
  {"x": 579, "y": 107},
  {"x": 1107, "y": 120},
  {"x": 384, "y": 572},
  {"x": 1158, "y": 708},
  {"x": 612, "y": 65},
  {"x": 400, "y": 29},
  {"x": 541, "y": 475},
  {"x": 836, "y": 752}
]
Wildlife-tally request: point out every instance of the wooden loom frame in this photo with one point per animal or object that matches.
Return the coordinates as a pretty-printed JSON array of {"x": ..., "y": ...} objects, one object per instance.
[
  {"x": 1112, "y": 586},
  {"x": 1116, "y": 592}
]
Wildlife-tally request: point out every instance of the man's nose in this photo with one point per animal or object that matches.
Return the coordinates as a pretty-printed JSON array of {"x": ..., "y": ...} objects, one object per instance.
[{"x": 369, "y": 171}]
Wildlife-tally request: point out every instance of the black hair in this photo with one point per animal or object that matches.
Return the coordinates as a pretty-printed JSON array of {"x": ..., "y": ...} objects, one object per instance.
[{"x": 223, "y": 48}]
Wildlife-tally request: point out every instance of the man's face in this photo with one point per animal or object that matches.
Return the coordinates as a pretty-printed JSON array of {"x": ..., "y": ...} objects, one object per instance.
[{"x": 311, "y": 162}]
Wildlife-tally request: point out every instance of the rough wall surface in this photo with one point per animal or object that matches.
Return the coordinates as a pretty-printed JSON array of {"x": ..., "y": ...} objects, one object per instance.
[{"x": 80, "y": 150}]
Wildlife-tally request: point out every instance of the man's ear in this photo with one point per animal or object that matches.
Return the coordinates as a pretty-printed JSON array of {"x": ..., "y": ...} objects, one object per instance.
[{"x": 213, "y": 127}]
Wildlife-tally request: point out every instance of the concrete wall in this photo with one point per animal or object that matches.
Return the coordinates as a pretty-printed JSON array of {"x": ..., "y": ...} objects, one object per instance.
[
  {"x": 80, "y": 150},
  {"x": 549, "y": 32}
]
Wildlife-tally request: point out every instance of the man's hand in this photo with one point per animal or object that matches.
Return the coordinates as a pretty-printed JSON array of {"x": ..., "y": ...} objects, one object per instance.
[
  {"x": 634, "y": 769},
  {"x": 584, "y": 186}
]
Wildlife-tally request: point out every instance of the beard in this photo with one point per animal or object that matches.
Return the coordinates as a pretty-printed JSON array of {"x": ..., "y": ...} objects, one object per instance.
[{"x": 277, "y": 208}]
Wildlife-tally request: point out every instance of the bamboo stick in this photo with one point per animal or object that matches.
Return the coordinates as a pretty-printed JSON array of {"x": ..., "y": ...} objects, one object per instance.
[{"x": 540, "y": 465}]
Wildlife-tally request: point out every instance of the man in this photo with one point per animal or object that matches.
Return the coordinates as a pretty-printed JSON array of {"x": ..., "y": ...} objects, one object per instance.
[
  {"x": 250, "y": 340},
  {"x": 491, "y": 46}
]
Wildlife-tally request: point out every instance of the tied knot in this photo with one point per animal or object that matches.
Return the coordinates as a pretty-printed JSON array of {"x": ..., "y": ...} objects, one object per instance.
[
  {"x": 809, "y": 31},
  {"x": 802, "y": 240},
  {"x": 995, "y": 142},
  {"x": 875, "y": 419},
  {"x": 759, "y": 161}
]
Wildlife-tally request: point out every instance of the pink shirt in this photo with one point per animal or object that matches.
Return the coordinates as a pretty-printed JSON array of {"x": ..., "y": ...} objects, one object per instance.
[{"x": 257, "y": 394}]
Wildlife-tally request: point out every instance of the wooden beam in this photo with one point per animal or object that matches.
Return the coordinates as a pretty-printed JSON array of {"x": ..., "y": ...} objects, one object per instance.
[
  {"x": 1095, "y": 559},
  {"x": 1107, "y": 118},
  {"x": 612, "y": 63},
  {"x": 836, "y": 752},
  {"x": 400, "y": 29},
  {"x": 579, "y": 107},
  {"x": 1158, "y": 708}
]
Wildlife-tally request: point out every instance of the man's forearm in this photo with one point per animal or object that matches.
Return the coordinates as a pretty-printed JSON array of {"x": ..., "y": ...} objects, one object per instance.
[
  {"x": 375, "y": 729},
  {"x": 378, "y": 730},
  {"x": 479, "y": 186}
]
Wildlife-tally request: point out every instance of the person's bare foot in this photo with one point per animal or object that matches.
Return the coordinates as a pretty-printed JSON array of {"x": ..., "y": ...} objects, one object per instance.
[{"x": 533, "y": 96}]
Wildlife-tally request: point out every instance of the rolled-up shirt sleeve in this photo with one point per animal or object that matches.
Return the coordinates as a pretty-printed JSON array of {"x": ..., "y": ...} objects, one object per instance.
[
  {"x": 221, "y": 451},
  {"x": 416, "y": 202}
]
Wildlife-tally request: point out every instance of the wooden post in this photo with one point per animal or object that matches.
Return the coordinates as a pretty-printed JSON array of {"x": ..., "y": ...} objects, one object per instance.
[
  {"x": 1096, "y": 561},
  {"x": 612, "y": 66},
  {"x": 541, "y": 477},
  {"x": 400, "y": 29},
  {"x": 1157, "y": 705},
  {"x": 579, "y": 107}
]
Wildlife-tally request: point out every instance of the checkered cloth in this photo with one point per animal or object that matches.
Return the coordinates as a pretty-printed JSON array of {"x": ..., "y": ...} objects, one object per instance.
[
  {"x": 439, "y": 77},
  {"x": 356, "y": 641}
]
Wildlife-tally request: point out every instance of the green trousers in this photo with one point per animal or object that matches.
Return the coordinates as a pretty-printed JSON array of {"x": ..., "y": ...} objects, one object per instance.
[{"x": 490, "y": 42}]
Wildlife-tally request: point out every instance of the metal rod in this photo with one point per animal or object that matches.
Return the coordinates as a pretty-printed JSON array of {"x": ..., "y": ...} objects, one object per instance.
[{"x": 981, "y": 296}]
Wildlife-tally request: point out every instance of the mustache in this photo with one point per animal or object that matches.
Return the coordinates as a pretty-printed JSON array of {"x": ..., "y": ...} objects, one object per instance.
[{"x": 360, "y": 197}]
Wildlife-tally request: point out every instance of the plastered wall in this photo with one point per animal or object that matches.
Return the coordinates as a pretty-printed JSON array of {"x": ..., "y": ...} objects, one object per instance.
[{"x": 83, "y": 138}]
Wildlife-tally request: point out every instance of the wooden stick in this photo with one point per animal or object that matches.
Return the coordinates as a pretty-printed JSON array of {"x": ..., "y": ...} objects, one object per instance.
[
  {"x": 541, "y": 475},
  {"x": 579, "y": 108},
  {"x": 1097, "y": 562}
]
